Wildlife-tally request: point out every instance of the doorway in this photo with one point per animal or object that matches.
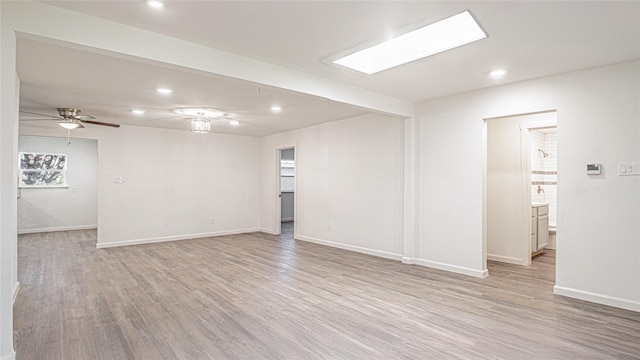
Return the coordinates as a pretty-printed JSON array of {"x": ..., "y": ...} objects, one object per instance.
[
  {"x": 286, "y": 191},
  {"x": 511, "y": 230},
  {"x": 69, "y": 203}
]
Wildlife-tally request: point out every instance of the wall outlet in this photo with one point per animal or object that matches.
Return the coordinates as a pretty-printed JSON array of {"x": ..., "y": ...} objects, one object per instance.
[
  {"x": 212, "y": 221},
  {"x": 329, "y": 227},
  {"x": 23, "y": 216}
]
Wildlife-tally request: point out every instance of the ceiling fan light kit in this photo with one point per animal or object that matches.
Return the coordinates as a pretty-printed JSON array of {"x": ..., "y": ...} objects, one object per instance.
[
  {"x": 70, "y": 119},
  {"x": 70, "y": 125}
]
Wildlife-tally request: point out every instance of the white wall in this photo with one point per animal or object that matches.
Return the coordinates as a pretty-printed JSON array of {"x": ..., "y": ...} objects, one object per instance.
[
  {"x": 598, "y": 114},
  {"x": 174, "y": 183},
  {"x": 9, "y": 95},
  {"x": 349, "y": 183},
  {"x": 68, "y": 208}
]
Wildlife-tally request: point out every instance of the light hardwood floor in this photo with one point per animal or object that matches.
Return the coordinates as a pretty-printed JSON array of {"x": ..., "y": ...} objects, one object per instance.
[{"x": 258, "y": 296}]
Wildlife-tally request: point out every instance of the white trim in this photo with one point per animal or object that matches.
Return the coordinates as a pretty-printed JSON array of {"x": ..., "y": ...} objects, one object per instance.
[
  {"x": 506, "y": 259},
  {"x": 452, "y": 268},
  {"x": 61, "y": 228},
  {"x": 378, "y": 253},
  {"x": 392, "y": 256},
  {"x": 10, "y": 356},
  {"x": 16, "y": 289},
  {"x": 597, "y": 298},
  {"x": 268, "y": 231},
  {"x": 172, "y": 238},
  {"x": 410, "y": 190}
]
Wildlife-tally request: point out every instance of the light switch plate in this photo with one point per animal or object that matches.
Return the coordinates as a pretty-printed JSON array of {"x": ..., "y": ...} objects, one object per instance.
[{"x": 629, "y": 168}]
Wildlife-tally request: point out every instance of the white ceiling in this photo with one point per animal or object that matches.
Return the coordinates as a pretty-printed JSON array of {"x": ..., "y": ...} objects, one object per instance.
[
  {"x": 530, "y": 38},
  {"x": 109, "y": 87}
]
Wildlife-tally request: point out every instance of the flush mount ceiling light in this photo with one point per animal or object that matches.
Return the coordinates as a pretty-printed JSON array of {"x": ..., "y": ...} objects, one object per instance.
[
  {"x": 276, "y": 108},
  {"x": 70, "y": 125},
  {"x": 137, "y": 111},
  {"x": 234, "y": 122},
  {"x": 435, "y": 38}
]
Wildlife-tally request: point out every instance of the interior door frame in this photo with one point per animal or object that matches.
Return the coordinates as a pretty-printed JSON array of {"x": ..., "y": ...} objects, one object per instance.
[{"x": 525, "y": 179}]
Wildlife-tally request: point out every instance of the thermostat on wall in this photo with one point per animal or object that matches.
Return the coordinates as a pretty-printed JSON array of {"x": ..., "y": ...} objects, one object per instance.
[{"x": 594, "y": 169}]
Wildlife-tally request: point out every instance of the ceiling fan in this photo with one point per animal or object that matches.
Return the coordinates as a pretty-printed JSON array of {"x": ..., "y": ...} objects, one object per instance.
[{"x": 70, "y": 118}]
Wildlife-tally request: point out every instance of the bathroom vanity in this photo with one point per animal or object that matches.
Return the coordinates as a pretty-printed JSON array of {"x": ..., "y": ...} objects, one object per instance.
[{"x": 539, "y": 228}]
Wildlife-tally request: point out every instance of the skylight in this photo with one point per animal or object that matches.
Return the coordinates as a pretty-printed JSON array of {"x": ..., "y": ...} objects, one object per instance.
[{"x": 443, "y": 35}]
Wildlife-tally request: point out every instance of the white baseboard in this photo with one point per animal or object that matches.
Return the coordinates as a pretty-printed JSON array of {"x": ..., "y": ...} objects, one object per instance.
[
  {"x": 268, "y": 231},
  {"x": 16, "y": 289},
  {"x": 505, "y": 259},
  {"x": 362, "y": 250},
  {"x": 452, "y": 268},
  {"x": 407, "y": 260},
  {"x": 597, "y": 298},
  {"x": 61, "y": 228},
  {"x": 392, "y": 256},
  {"x": 109, "y": 244},
  {"x": 10, "y": 356}
]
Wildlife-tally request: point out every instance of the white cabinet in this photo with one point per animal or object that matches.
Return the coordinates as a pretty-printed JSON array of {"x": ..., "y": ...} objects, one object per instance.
[
  {"x": 539, "y": 227},
  {"x": 534, "y": 229}
]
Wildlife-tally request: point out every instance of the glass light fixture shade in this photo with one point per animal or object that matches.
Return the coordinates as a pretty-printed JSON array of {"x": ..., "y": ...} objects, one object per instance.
[
  {"x": 200, "y": 125},
  {"x": 70, "y": 125}
]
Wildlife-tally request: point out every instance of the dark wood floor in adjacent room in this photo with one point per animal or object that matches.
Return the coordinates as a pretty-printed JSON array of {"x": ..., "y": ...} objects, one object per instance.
[{"x": 258, "y": 296}]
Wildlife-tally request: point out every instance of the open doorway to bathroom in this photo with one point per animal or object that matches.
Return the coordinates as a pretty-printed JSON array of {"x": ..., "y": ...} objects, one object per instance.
[
  {"x": 544, "y": 179},
  {"x": 287, "y": 192},
  {"x": 517, "y": 211}
]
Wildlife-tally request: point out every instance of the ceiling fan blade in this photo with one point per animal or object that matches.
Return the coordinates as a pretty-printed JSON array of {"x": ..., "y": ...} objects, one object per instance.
[
  {"x": 100, "y": 123},
  {"x": 84, "y": 117},
  {"x": 38, "y": 114},
  {"x": 47, "y": 119}
]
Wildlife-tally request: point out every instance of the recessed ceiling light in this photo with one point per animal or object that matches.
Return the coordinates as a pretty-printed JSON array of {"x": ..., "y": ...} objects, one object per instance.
[
  {"x": 155, "y": 4},
  {"x": 276, "y": 108},
  {"x": 137, "y": 111},
  {"x": 497, "y": 73},
  {"x": 443, "y": 35},
  {"x": 164, "y": 90},
  {"x": 234, "y": 122}
]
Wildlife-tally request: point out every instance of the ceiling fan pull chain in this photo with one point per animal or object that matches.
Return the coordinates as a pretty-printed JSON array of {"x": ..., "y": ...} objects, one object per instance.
[{"x": 68, "y": 136}]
